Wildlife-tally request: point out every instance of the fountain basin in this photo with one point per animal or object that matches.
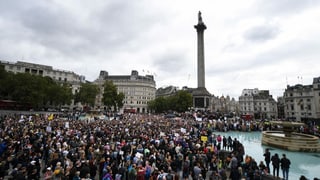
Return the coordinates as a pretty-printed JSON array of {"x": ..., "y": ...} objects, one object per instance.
[{"x": 293, "y": 142}]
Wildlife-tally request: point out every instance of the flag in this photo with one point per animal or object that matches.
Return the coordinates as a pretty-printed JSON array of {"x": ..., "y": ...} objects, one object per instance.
[{"x": 50, "y": 117}]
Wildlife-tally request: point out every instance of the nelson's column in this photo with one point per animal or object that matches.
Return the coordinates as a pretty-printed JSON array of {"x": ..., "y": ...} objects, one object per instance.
[{"x": 201, "y": 97}]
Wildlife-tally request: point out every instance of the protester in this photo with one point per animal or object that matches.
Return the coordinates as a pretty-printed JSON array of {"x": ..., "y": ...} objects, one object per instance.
[
  {"x": 136, "y": 146},
  {"x": 285, "y": 166},
  {"x": 276, "y": 164},
  {"x": 267, "y": 159}
]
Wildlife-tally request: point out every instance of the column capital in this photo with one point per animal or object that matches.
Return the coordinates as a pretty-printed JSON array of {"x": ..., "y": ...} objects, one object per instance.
[{"x": 200, "y": 27}]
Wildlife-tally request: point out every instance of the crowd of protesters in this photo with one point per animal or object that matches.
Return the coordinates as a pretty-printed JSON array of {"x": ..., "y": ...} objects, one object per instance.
[{"x": 137, "y": 146}]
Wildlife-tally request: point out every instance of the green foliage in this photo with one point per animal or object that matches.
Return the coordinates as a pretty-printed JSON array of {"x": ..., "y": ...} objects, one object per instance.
[
  {"x": 66, "y": 94},
  {"x": 87, "y": 94},
  {"x": 6, "y": 84},
  {"x": 119, "y": 100},
  {"x": 180, "y": 102},
  {"x": 39, "y": 91},
  {"x": 159, "y": 105},
  {"x": 111, "y": 97}
]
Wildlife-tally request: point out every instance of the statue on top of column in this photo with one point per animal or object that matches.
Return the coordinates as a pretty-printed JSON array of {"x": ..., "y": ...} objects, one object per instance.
[
  {"x": 200, "y": 26},
  {"x": 200, "y": 18}
]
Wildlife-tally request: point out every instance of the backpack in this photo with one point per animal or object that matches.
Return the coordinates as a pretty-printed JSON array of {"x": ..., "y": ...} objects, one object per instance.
[
  {"x": 160, "y": 177},
  {"x": 133, "y": 172},
  {"x": 169, "y": 177}
]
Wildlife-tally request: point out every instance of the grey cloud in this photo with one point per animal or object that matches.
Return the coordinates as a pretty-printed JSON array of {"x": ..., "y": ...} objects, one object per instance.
[
  {"x": 170, "y": 62},
  {"x": 46, "y": 25},
  {"x": 295, "y": 50},
  {"x": 114, "y": 25},
  {"x": 284, "y": 6},
  {"x": 261, "y": 33},
  {"x": 48, "y": 21}
]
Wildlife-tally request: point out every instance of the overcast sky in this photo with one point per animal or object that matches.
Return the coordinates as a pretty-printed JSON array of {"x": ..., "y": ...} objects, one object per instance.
[{"x": 264, "y": 44}]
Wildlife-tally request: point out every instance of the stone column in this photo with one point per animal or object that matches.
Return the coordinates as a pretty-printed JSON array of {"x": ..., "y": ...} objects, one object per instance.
[{"x": 200, "y": 27}]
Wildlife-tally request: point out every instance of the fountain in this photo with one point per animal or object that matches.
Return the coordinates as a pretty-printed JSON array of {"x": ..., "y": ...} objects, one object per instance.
[{"x": 289, "y": 140}]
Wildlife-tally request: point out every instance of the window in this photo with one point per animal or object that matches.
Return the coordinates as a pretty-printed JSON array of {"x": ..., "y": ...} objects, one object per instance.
[{"x": 309, "y": 107}]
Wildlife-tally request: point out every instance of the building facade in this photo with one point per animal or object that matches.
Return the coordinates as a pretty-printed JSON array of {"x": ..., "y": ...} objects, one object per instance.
[
  {"x": 224, "y": 105},
  {"x": 258, "y": 103},
  {"x": 302, "y": 102},
  {"x": 316, "y": 93},
  {"x": 60, "y": 76},
  {"x": 138, "y": 90},
  {"x": 281, "y": 106},
  {"x": 166, "y": 91}
]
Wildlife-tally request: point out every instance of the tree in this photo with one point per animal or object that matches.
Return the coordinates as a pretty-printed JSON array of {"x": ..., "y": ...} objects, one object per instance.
[
  {"x": 182, "y": 101},
  {"x": 87, "y": 94},
  {"x": 35, "y": 90},
  {"x": 161, "y": 105},
  {"x": 6, "y": 83},
  {"x": 119, "y": 100},
  {"x": 152, "y": 105},
  {"x": 51, "y": 92},
  {"x": 66, "y": 94},
  {"x": 111, "y": 97},
  {"x": 179, "y": 102}
]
